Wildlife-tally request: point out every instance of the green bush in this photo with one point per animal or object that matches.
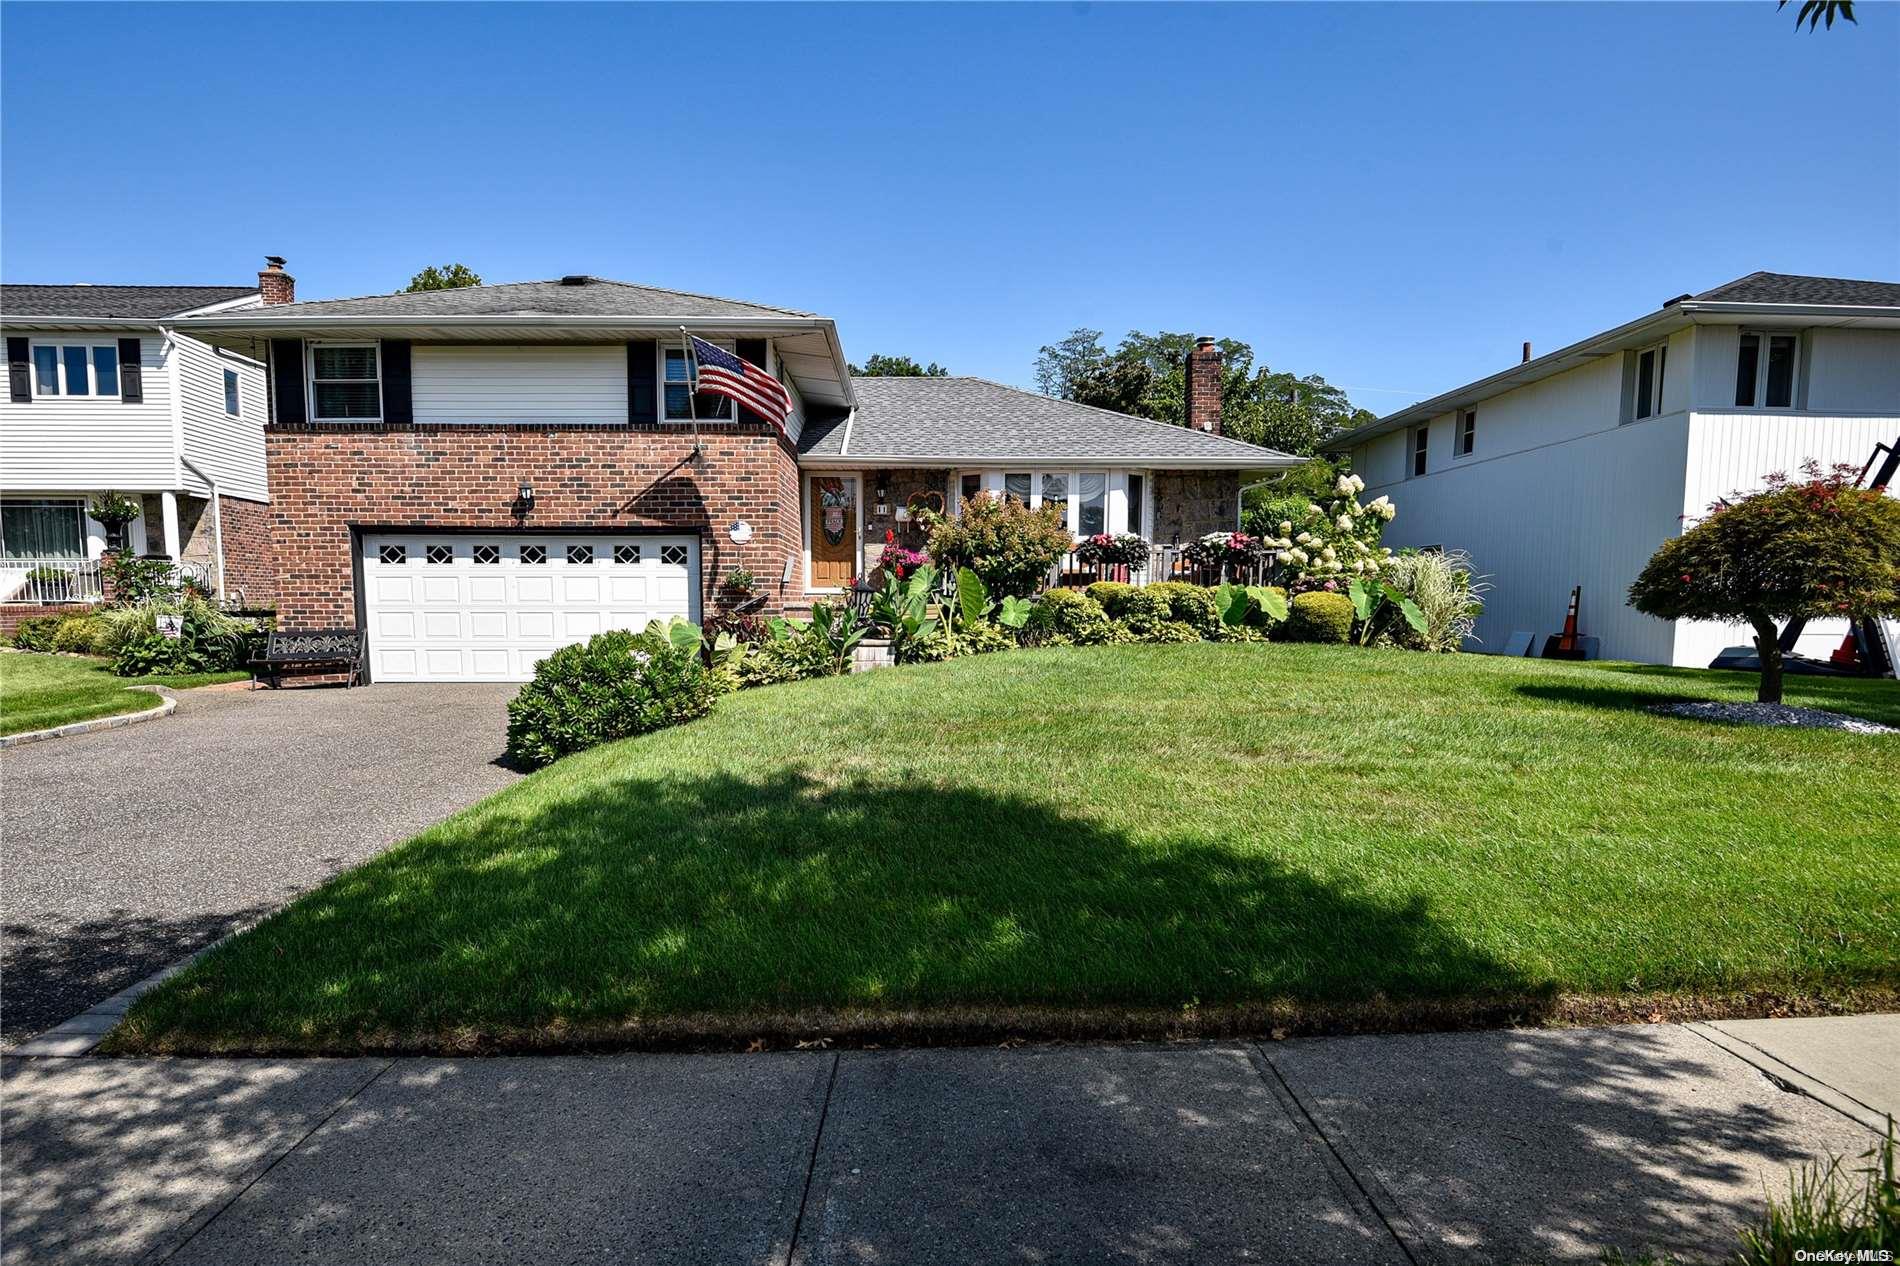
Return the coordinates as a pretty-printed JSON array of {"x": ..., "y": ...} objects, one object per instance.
[
  {"x": 35, "y": 632},
  {"x": 614, "y": 685},
  {"x": 211, "y": 641},
  {"x": 78, "y": 634},
  {"x": 1064, "y": 617},
  {"x": 1318, "y": 616},
  {"x": 1168, "y": 631},
  {"x": 1190, "y": 604},
  {"x": 1111, "y": 594},
  {"x": 796, "y": 652},
  {"x": 1009, "y": 545}
]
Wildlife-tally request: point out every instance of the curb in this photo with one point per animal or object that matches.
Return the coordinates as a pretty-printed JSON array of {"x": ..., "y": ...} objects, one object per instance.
[
  {"x": 81, "y": 1033},
  {"x": 168, "y": 704},
  {"x": 1791, "y": 1079}
]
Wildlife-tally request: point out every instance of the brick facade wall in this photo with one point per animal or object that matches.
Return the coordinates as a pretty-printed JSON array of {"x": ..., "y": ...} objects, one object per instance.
[
  {"x": 324, "y": 479},
  {"x": 249, "y": 562},
  {"x": 1192, "y": 503},
  {"x": 12, "y": 613}
]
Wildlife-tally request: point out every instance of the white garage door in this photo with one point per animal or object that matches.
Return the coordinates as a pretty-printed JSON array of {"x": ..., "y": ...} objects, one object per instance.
[{"x": 485, "y": 608}]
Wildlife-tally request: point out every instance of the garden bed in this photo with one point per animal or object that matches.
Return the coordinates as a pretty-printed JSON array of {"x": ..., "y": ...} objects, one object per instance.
[{"x": 1110, "y": 841}]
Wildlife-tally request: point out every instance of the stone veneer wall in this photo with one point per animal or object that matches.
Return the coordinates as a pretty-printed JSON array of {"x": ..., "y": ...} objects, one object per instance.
[
  {"x": 903, "y": 484},
  {"x": 1192, "y": 503},
  {"x": 327, "y": 478}
]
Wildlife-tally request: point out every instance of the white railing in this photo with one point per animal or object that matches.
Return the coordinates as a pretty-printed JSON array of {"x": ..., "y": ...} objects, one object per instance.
[
  {"x": 47, "y": 581},
  {"x": 1165, "y": 562}
]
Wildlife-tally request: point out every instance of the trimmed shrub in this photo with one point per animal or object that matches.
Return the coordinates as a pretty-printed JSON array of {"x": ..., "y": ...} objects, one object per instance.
[
  {"x": 1063, "y": 617},
  {"x": 778, "y": 660},
  {"x": 1169, "y": 631},
  {"x": 1318, "y": 616},
  {"x": 78, "y": 634},
  {"x": 1142, "y": 613},
  {"x": 1111, "y": 594},
  {"x": 35, "y": 632},
  {"x": 1190, "y": 604},
  {"x": 614, "y": 685}
]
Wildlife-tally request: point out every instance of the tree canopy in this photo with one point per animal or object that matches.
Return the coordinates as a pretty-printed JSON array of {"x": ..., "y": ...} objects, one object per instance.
[
  {"x": 1814, "y": 548},
  {"x": 882, "y": 366},
  {"x": 447, "y": 277},
  {"x": 1147, "y": 376}
]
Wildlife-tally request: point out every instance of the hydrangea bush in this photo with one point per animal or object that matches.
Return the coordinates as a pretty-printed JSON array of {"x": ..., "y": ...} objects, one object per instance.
[{"x": 1334, "y": 541}]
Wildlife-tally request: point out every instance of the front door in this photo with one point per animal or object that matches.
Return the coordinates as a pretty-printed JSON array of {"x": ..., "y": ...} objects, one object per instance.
[{"x": 834, "y": 531}]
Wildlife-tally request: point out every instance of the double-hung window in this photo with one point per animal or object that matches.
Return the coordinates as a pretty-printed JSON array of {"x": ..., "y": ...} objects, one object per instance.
[
  {"x": 682, "y": 402},
  {"x": 345, "y": 382},
  {"x": 75, "y": 369},
  {"x": 231, "y": 392},
  {"x": 1467, "y": 432},
  {"x": 1765, "y": 370},
  {"x": 1652, "y": 364},
  {"x": 1421, "y": 448}
]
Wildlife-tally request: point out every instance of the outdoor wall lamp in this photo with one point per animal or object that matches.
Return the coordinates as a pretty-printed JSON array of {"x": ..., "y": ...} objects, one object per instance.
[
  {"x": 883, "y": 505},
  {"x": 524, "y": 495}
]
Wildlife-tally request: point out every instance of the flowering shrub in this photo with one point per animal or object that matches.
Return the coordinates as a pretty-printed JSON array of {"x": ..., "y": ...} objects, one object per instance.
[
  {"x": 1003, "y": 541},
  {"x": 1123, "y": 549},
  {"x": 1333, "y": 542}
]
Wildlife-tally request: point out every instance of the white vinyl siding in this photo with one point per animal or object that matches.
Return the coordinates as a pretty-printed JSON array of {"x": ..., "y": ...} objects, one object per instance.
[
  {"x": 228, "y": 449},
  {"x": 59, "y": 443},
  {"x": 568, "y": 384}
]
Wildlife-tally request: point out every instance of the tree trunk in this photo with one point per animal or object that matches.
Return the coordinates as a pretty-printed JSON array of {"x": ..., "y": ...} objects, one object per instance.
[{"x": 1768, "y": 649}]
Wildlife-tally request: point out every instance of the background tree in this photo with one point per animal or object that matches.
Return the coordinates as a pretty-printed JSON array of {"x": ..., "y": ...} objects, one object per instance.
[
  {"x": 1813, "y": 11},
  {"x": 1813, "y": 549},
  {"x": 881, "y": 366},
  {"x": 448, "y": 277},
  {"x": 1147, "y": 376}
]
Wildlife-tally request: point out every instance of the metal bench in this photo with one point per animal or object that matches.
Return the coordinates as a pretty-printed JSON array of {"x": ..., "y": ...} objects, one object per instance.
[{"x": 311, "y": 651}]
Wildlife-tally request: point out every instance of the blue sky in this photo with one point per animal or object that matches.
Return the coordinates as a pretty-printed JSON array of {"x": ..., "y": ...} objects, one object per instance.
[{"x": 1392, "y": 196}]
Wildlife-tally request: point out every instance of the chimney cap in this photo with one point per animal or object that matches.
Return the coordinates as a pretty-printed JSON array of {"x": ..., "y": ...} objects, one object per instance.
[
  {"x": 1204, "y": 340},
  {"x": 576, "y": 279},
  {"x": 274, "y": 262}
]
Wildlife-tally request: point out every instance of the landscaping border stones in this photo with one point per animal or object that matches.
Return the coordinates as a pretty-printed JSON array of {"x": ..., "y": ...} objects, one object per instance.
[{"x": 168, "y": 703}]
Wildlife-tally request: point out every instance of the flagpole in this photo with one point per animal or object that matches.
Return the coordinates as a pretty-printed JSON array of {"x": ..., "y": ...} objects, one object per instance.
[{"x": 692, "y": 386}]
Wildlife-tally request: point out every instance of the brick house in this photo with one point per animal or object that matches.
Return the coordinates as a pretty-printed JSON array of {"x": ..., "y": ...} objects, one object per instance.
[
  {"x": 104, "y": 394},
  {"x": 477, "y": 476}
]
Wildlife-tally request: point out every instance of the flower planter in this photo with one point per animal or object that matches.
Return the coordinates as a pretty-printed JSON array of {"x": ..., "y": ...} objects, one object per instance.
[{"x": 872, "y": 652}]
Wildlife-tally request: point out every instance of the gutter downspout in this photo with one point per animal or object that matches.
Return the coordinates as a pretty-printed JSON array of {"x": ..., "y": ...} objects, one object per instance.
[
  {"x": 1240, "y": 502},
  {"x": 217, "y": 519}
]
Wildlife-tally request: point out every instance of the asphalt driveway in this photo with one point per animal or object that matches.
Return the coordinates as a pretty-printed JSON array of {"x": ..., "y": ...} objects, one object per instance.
[{"x": 127, "y": 849}]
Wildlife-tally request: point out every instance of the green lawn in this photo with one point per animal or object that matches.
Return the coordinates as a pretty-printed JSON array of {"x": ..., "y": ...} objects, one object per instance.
[
  {"x": 1098, "y": 841},
  {"x": 38, "y": 692}
]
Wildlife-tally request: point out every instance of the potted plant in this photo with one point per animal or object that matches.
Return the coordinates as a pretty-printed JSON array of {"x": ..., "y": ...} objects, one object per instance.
[
  {"x": 1115, "y": 552},
  {"x": 739, "y": 581},
  {"x": 113, "y": 512}
]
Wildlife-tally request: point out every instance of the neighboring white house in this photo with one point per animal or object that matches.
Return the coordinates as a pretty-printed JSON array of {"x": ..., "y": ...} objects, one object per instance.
[
  {"x": 1572, "y": 468},
  {"x": 104, "y": 395}
]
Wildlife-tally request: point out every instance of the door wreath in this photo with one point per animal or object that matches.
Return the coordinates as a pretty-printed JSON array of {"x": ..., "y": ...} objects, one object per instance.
[{"x": 832, "y": 501}]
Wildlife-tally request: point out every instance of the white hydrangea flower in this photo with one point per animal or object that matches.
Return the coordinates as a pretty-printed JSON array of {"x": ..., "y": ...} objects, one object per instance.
[
  {"x": 1304, "y": 538},
  {"x": 1286, "y": 527},
  {"x": 1345, "y": 522}
]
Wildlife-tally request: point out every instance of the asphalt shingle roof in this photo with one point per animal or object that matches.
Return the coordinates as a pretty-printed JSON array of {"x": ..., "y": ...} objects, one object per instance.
[
  {"x": 597, "y": 297},
  {"x": 974, "y": 419},
  {"x": 113, "y": 301},
  {"x": 1789, "y": 288}
]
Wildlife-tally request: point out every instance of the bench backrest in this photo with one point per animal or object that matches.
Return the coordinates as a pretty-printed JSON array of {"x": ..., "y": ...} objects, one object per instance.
[{"x": 314, "y": 644}]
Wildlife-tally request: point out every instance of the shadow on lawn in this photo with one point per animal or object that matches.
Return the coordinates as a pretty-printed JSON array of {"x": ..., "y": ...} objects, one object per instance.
[
  {"x": 1872, "y": 698},
  {"x": 643, "y": 899}
]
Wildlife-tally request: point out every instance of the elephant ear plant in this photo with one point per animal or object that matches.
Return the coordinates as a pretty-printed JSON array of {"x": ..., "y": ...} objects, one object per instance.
[
  {"x": 1372, "y": 600},
  {"x": 902, "y": 609},
  {"x": 1236, "y": 603}
]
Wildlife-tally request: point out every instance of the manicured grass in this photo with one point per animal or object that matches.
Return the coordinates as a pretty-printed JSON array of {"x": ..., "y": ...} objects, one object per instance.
[
  {"x": 38, "y": 692},
  {"x": 1057, "y": 838}
]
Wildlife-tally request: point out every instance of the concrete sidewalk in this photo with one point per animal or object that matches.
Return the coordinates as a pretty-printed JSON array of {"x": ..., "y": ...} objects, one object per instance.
[{"x": 1505, "y": 1147}]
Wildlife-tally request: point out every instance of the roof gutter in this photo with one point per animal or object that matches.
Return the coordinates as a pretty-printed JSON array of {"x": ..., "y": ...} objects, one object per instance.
[{"x": 828, "y": 461}]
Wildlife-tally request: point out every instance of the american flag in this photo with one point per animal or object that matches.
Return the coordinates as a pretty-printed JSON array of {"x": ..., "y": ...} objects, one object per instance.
[{"x": 722, "y": 372}]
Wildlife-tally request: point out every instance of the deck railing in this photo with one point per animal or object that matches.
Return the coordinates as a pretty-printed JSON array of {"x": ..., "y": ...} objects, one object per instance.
[
  {"x": 1165, "y": 562},
  {"x": 49, "y": 581}
]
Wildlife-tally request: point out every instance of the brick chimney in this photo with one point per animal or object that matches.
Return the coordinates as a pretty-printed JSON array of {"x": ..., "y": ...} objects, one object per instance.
[
  {"x": 276, "y": 285},
  {"x": 1203, "y": 386}
]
